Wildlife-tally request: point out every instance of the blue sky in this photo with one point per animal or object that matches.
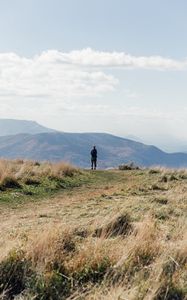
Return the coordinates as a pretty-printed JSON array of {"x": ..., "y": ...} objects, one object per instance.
[
  {"x": 145, "y": 27},
  {"x": 114, "y": 66}
]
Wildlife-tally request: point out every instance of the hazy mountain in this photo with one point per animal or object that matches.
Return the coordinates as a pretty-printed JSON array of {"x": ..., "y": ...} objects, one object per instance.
[
  {"x": 134, "y": 138},
  {"x": 75, "y": 148},
  {"x": 10, "y": 127},
  {"x": 167, "y": 143}
]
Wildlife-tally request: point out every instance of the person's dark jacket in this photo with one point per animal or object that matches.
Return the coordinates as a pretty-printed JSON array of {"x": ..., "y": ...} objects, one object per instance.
[{"x": 94, "y": 154}]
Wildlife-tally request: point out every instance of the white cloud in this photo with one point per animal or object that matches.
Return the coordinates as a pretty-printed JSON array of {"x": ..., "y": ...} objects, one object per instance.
[
  {"x": 89, "y": 57},
  {"x": 46, "y": 76},
  {"x": 53, "y": 82},
  {"x": 60, "y": 75}
]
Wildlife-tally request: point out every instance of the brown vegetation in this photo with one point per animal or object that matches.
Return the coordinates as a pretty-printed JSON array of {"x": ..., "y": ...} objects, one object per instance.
[
  {"x": 126, "y": 240},
  {"x": 13, "y": 173}
]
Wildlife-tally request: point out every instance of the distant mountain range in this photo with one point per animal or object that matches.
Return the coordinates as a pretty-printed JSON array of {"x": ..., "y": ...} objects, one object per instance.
[
  {"x": 11, "y": 127},
  {"x": 40, "y": 143}
]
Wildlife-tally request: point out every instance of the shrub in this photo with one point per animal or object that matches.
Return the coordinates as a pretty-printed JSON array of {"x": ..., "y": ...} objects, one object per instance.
[
  {"x": 164, "y": 178},
  {"x": 52, "y": 285},
  {"x": 31, "y": 181},
  {"x": 172, "y": 177},
  {"x": 81, "y": 232},
  {"x": 156, "y": 187},
  {"x": 154, "y": 171},
  {"x": 9, "y": 182},
  {"x": 162, "y": 201},
  {"x": 161, "y": 214},
  {"x": 129, "y": 166},
  {"x": 63, "y": 169},
  {"x": 170, "y": 292},
  {"x": 92, "y": 273},
  {"x": 120, "y": 225},
  {"x": 14, "y": 273}
]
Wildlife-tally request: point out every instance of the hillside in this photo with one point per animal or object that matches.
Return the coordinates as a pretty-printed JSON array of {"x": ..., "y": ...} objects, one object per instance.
[
  {"x": 75, "y": 148},
  {"x": 11, "y": 127},
  {"x": 105, "y": 235}
]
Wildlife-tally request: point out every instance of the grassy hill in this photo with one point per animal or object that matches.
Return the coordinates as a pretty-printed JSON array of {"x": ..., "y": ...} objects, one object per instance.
[
  {"x": 74, "y": 234},
  {"x": 75, "y": 148}
]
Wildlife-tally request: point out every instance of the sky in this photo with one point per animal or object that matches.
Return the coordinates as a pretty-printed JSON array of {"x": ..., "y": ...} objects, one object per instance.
[{"x": 115, "y": 66}]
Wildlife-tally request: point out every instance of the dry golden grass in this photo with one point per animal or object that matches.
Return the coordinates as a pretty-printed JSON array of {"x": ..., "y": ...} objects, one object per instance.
[
  {"x": 120, "y": 240},
  {"x": 20, "y": 169},
  {"x": 52, "y": 245},
  {"x": 142, "y": 246},
  {"x": 63, "y": 169}
]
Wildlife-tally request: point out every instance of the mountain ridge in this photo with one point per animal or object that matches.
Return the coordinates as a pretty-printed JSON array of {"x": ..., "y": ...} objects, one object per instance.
[
  {"x": 14, "y": 126},
  {"x": 75, "y": 148}
]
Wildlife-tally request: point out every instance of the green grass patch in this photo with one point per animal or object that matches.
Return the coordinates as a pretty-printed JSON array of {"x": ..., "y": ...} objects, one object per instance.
[{"x": 34, "y": 189}]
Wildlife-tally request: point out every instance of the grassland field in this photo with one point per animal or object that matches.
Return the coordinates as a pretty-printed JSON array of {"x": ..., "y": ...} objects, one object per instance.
[{"x": 75, "y": 234}]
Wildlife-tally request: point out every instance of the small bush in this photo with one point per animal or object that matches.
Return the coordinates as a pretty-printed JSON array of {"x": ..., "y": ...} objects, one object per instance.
[
  {"x": 14, "y": 272},
  {"x": 32, "y": 181},
  {"x": 183, "y": 176},
  {"x": 92, "y": 274},
  {"x": 154, "y": 171},
  {"x": 161, "y": 215},
  {"x": 81, "y": 232},
  {"x": 170, "y": 292},
  {"x": 156, "y": 187},
  {"x": 129, "y": 166},
  {"x": 162, "y": 201},
  {"x": 53, "y": 286},
  {"x": 63, "y": 169},
  {"x": 172, "y": 177},
  {"x": 120, "y": 225},
  {"x": 169, "y": 268},
  {"x": 164, "y": 178},
  {"x": 9, "y": 182}
]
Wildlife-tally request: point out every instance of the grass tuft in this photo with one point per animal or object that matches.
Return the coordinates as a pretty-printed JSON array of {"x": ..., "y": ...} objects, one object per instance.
[
  {"x": 119, "y": 225},
  {"x": 10, "y": 182}
]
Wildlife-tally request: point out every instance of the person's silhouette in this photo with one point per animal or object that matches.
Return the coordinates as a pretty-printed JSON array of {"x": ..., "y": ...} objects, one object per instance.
[{"x": 93, "y": 158}]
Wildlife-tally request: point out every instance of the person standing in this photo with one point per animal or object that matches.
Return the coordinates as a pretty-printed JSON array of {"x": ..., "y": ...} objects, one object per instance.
[{"x": 93, "y": 158}]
